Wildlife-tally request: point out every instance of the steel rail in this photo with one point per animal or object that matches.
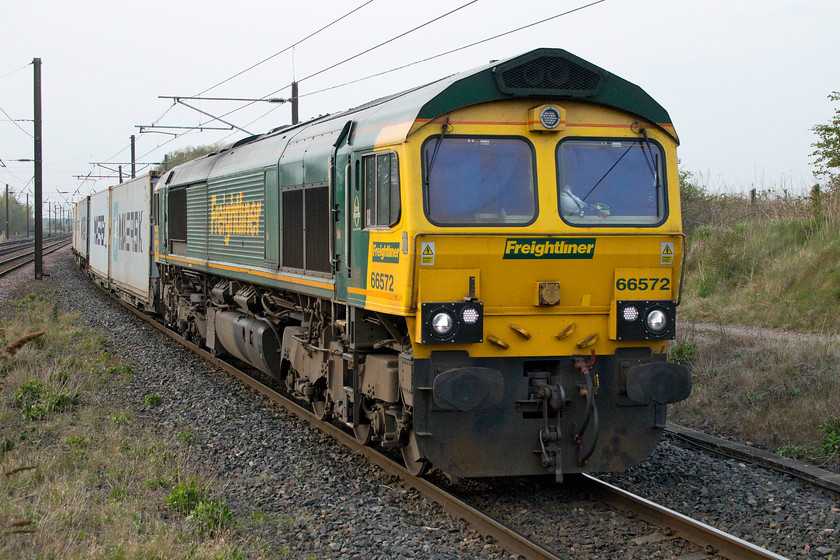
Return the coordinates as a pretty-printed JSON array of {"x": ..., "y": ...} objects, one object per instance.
[
  {"x": 505, "y": 537},
  {"x": 714, "y": 541},
  {"x": 826, "y": 481}
]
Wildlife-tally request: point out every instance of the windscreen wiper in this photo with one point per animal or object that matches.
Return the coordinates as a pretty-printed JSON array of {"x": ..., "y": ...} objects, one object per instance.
[
  {"x": 653, "y": 159},
  {"x": 431, "y": 162}
]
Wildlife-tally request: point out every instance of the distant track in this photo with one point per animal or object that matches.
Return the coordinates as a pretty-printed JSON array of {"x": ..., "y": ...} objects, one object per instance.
[{"x": 21, "y": 254}]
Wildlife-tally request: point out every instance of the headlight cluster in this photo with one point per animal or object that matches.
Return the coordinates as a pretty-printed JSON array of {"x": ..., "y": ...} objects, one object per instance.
[
  {"x": 452, "y": 322},
  {"x": 645, "y": 320}
]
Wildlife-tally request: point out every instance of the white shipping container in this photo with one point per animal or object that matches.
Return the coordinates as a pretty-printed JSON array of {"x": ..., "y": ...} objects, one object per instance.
[
  {"x": 131, "y": 236},
  {"x": 80, "y": 227},
  {"x": 98, "y": 233}
]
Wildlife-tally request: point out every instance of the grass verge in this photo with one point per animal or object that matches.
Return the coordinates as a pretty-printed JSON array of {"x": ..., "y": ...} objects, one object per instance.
[
  {"x": 80, "y": 478},
  {"x": 780, "y": 393}
]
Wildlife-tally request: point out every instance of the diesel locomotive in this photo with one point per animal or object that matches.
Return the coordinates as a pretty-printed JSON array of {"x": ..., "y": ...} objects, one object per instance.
[{"x": 481, "y": 272}]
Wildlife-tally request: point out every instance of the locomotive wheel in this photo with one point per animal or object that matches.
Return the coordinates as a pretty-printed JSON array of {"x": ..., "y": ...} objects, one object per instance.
[
  {"x": 414, "y": 461},
  {"x": 363, "y": 433}
]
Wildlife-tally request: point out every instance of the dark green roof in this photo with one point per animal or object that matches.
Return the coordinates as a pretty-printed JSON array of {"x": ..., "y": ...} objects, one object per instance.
[{"x": 545, "y": 74}]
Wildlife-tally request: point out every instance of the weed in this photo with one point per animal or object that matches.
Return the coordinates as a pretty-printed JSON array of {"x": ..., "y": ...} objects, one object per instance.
[
  {"x": 211, "y": 517},
  {"x": 187, "y": 438},
  {"x": 830, "y": 443},
  {"x": 793, "y": 452},
  {"x": 59, "y": 377},
  {"x": 30, "y": 392},
  {"x": 93, "y": 498},
  {"x": 118, "y": 493},
  {"x": 6, "y": 446},
  {"x": 752, "y": 399},
  {"x": 234, "y": 554},
  {"x": 154, "y": 400},
  {"x": 62, "y": 400},
  {"x": 36, "y": 400},
  {"x": 124, "y": 370},
  {"x": 76, "y": 441},
  {"x": 116, "y": 551},
  {"x": 284, "y": 520},
  {"x": 682, "y": 353},
  {"x": 185, "y": 496},
  {"x": 24, "y": 302},
  {"x": 157, "y": 482}
]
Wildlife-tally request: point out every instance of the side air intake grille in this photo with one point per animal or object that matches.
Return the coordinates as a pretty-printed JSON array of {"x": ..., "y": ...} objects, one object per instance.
[
  {"x": 306, "y": 228},
  {"x": 317, "y": 216},
  {"x": 293, "y": 229},
  {"x": 548, "y": 76}
]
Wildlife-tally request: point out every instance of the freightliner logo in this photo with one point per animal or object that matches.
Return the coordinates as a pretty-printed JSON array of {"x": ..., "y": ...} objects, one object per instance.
[
  {"x": 549, "y": 248},
  {"x": 386, "y": 252}
]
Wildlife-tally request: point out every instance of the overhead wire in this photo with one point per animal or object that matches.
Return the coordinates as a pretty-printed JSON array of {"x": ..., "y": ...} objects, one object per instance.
[
  {"x": 314, "y": 33},
  {"x": 14, "y": 122},
  {"x": 290, "y": 47},
  {"x": 391, "y": 40},
  {"x": 3, "y": 77},
  {"x": 357, "y": 55},
  {"x": 464, "y": 47},
  {"x": 366, "y": 51}
]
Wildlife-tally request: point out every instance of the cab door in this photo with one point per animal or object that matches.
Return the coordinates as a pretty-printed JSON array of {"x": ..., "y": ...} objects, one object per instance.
[{"x": 341, "y": 181}]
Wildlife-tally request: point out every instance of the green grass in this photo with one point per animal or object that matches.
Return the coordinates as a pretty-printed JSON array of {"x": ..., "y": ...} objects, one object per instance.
[
  {"x": 91, "y": 481},
  {"x": 782, "y": 274}
]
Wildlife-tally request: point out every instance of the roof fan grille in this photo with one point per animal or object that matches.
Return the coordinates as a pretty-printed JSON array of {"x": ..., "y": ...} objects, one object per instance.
[{"x": 549, "y": 74}]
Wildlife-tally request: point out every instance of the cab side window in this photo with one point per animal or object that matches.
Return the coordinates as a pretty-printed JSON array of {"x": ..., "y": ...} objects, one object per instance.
[{"x": 382, "y": 190}]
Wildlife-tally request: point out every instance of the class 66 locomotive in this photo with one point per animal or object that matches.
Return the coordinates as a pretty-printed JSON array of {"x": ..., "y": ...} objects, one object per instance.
[{"x": 481, "y": 273}]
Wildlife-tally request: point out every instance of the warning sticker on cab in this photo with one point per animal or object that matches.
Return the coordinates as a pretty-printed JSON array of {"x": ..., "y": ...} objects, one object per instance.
[
  {"x": 427, "y": 253},
  {"x": 666, "y": 253}
]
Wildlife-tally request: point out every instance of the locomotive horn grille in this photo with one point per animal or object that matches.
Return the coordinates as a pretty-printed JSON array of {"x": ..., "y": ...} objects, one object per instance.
[{"x": 549, "y": 76}]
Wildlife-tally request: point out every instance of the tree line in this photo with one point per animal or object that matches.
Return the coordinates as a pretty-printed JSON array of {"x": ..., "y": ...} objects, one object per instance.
[{"x": 17, "y": 216}]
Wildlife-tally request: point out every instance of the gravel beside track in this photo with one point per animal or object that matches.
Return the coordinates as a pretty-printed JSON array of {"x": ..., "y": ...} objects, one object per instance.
[{"x": 338, "y": 506}]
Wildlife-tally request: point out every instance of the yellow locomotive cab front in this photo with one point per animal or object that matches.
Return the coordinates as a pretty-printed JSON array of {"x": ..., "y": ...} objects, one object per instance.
[{"x": 546, "y": 270}]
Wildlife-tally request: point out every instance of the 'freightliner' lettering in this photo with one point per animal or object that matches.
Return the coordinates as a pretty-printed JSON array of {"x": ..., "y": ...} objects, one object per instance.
[{"x": 549, "y": 248}]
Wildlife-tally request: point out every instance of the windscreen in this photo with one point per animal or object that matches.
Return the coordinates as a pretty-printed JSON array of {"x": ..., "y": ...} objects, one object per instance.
[
  {"x": 610, "y": 182},
  {"x": 479, "y": 181}
]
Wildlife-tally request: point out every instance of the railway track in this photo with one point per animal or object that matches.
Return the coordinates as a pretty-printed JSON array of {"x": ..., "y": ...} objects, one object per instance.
[
  {"x": 826, "y": 481},
  {"x": 671, "y": 524},
  {"x": 22, "y": 253}
]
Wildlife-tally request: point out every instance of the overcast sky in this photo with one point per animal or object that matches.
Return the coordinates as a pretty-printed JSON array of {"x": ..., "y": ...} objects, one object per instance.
[{"x": 743, "y": 80}]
